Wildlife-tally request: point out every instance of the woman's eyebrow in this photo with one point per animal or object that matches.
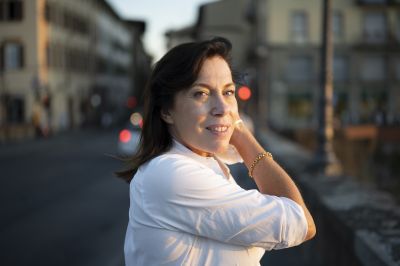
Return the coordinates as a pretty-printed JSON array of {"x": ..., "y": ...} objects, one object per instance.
[{"x": 200, "y": 84}]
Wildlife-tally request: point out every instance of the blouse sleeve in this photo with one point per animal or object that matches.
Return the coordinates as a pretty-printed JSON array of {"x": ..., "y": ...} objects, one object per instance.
[{"x": 179, "y": 194}]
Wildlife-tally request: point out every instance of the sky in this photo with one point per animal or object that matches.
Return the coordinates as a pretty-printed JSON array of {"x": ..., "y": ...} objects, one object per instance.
[{"x": 160, "y": 16}]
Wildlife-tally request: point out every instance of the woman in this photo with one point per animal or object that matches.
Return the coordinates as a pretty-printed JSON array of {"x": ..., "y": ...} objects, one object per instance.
[{"x": 185, "y": 207}]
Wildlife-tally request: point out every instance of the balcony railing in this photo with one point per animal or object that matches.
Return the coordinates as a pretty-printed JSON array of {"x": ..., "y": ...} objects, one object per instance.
[
  {"x": 378, "y": 2},
  {"x": 388, "y": 40}
]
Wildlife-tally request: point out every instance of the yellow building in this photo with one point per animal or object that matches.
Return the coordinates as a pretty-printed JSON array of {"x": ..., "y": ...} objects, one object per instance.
[
  {"x": 64, "y": 63},
  {"x": 22, "y": 65}
]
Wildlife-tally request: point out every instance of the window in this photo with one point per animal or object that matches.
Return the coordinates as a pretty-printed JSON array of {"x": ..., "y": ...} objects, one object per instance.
[
  {"x": 370, "y": 105},
  {"x": 2, "y": 11},
  {"x": 300, "y": 105},
  {"x": 299, "y": 27},
  {"x": 299, "y": 68},
  {"x": 13, "y": 56},
  {"x": 15, "y": 109},
  {"x": 397, "y": 68},
  {"x": 398, "y": 27},
  {"x": 49, "y": 59},
  {"x": 53, "y": 14},
  {"x": 15, "y": 10},
  {"x": 340, "y": 68},
  {"x": 49, "y": 12},
  {"x": 373, "y": 1},
  {"x": 55, "y": 55},
  {"x": 373, "y": 68},
  {"x": 11, "y": 10},
  {"x": 75, "y": 22},
  {"x": 337, "y": 25},
  {"x": 375, "y": 28},
  {"x": 340, "y": 102}
]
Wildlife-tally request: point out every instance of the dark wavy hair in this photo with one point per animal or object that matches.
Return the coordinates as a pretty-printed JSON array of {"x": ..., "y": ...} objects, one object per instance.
[{"x": 176, "y": 71}]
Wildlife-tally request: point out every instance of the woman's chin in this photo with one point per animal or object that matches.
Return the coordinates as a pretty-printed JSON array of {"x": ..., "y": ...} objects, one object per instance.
[
  {"x": 221, "y": 148},
  {"x": 211, "y": 148}
]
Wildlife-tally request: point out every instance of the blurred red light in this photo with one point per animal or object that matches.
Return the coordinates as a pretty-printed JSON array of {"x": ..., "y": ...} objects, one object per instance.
[
  {"x": 131, "y": 102},
  {"x": 124, "y": 135},
  {"x": 244, "y": 93}
]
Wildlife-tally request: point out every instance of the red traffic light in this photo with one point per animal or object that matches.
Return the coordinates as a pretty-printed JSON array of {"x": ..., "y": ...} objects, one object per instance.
[
  {"x": 125, "y": 135},
  {"x": 244, "y": 93},
  {"x": 131, "y": 102}
]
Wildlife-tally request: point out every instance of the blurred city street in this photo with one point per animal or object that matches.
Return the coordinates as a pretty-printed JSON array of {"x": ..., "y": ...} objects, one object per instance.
[
  {"x": 60, "y": 203},
  {"x": 318, "y": 79}
]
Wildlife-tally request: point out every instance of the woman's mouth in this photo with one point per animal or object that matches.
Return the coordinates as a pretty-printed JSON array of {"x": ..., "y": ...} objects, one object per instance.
[{"x": 218, "y": 129}]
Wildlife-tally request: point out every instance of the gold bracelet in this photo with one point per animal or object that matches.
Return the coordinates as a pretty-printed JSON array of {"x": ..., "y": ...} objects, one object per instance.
[{"x": 257, "y": 159}]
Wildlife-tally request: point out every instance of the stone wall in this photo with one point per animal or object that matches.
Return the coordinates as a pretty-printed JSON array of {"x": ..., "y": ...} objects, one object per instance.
[{"x": 356, "y": 223}]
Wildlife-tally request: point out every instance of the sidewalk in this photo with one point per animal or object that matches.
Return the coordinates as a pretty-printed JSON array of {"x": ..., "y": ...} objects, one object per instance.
[
  {"x": 292, "y": 155},
  {"x": 356, "y": 224}
]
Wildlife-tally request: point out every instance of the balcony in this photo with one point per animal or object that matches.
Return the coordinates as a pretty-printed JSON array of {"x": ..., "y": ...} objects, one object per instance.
[
  {"x": 388, "y": 41},
  {"x": 378, "y": 3}
]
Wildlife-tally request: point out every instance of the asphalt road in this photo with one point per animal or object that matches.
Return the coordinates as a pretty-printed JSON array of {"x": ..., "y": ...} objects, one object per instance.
[{"x": 60, "y": 204}]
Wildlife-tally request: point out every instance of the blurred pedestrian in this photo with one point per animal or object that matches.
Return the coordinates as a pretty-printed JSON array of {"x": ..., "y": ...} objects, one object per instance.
[
  {"x": 185, "y": 207},
  {"x": 40, "y": 120},
  {"x": 36, "y": 119}
]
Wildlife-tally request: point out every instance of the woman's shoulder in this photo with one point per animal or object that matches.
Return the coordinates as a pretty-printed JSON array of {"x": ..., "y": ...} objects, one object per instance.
[
  {"x": 170, "y": 163},
  {"x": 168, "y": 171},
  {"x": 170, "y": 160}
]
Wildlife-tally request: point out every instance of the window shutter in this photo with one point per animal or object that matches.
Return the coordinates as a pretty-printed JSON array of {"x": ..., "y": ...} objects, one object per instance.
[
  {"x": 2, "y": 57},
  {"x": 2, "y": 11},
  {"x": 21, "y": 56},
  {"x": 21, "y": 10}
]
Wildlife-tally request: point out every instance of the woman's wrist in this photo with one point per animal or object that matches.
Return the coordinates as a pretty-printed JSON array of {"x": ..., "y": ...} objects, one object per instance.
[
  {"x": 245, "y": 143},
  {"x": 239, "y": 133}
]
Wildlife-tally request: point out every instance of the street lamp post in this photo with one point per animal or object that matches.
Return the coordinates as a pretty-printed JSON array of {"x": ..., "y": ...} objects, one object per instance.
[
  {"x": 262, "y": 57},
  {"x": 325, "y": 161}
]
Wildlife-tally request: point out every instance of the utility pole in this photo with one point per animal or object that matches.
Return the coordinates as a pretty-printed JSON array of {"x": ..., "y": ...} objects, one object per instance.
[
  {"x": 325, "y": 161},
  {"x": 262, "y": 57},
  {"x": 3, "y": 96}
]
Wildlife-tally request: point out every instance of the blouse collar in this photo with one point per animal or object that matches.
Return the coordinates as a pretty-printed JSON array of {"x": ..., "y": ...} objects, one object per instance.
[
  {"x": 211, "y": 162},
  {"x": 182, "y": 149}
]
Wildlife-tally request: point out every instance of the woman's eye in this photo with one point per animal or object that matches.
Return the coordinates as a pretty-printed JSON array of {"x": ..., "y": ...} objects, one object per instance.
[
  {"x": 230, "y": 92},
  {"x": 199, "y": 94}
]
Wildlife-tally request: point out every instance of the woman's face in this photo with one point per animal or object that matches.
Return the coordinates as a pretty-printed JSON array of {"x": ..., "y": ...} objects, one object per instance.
[{"x": 202, "y": 117}]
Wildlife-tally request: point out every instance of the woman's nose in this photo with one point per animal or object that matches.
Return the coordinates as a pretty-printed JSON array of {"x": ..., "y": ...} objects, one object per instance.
[{"x": 220, "y": 106}]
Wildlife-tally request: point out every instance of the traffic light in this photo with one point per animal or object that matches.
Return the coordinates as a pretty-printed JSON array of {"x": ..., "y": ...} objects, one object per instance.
[
  {"x": 244, "y": 93},
  {"x": 131, "y": 102}
]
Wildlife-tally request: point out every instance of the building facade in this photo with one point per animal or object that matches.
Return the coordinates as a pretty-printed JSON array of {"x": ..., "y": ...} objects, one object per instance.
[
  {"x": 64, "y": 64},
  {"x": 365, "y": 65},
  {"x": 66, "y": 34},
  {"x": 21, "y": 64},
  {"x": 214, "y": 20}
]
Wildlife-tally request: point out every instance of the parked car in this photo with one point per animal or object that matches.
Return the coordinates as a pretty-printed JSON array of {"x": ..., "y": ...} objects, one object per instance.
[{"x": 129, "y": 135}]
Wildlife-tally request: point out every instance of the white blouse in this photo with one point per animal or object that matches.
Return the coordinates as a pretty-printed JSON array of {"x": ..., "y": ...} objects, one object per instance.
[{"x": 186, "y": 209}]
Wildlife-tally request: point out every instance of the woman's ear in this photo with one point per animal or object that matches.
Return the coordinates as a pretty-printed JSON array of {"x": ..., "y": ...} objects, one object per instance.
[{"x": 166, "y": 116}]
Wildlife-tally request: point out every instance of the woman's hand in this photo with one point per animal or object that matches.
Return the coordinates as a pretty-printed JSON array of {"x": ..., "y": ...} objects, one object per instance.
[{"x": 239, "y": 131}]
